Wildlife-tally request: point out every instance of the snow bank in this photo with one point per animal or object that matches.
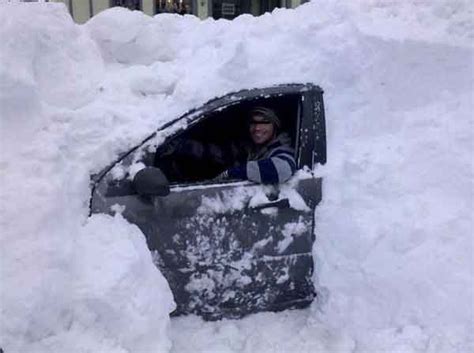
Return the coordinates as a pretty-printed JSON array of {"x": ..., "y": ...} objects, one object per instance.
[
  {"x": 394, "y": 263},
  {"x": 116, "y": 289},
  {"x": 398, "y": 206},
  {"x": 67, "y": 284}
]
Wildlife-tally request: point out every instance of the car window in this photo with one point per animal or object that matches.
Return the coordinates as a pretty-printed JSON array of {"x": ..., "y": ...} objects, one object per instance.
[{"x": 219, "y": 140}]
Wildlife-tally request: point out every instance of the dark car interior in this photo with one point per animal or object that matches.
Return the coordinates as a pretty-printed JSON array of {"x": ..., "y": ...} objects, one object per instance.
[{"x": 221, "y": 128}]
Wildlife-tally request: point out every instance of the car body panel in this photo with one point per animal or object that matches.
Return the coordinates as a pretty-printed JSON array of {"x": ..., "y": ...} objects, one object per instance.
[{"x": 229, "y": 249}]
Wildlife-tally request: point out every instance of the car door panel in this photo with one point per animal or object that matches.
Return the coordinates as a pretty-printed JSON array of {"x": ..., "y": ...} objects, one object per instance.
[
  {"x": 229, "y": 249},
  {"x": 233, "y": 256}
]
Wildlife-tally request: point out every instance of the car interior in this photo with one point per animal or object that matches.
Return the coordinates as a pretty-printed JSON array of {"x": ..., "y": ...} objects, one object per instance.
[{"x": 221, "y": 128}]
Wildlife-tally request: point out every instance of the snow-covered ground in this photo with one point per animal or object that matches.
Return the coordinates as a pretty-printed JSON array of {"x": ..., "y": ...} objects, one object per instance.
[{"x": 394, "y": 250}]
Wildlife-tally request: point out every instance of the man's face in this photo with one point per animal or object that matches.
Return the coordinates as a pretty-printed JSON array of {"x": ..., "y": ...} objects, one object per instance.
[{"x": 261, "y": 130}]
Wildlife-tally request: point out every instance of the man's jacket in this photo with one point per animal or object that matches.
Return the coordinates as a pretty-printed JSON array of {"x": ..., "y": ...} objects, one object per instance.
[{"x": 271, "y": 164}]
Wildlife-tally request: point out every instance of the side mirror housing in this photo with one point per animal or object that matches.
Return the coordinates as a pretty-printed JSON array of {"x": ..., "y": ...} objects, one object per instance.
[{"x": 151, "y": 181}]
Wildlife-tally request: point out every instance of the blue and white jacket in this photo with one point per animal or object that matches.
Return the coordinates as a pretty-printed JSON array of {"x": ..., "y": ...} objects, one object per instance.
[{"x": 272, "y": 164}]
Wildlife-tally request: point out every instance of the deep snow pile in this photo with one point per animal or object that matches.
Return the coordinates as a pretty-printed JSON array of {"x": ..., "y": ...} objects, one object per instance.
[
  {"x": 394, "y": 252},
  {"x": 68, "y": 284}
]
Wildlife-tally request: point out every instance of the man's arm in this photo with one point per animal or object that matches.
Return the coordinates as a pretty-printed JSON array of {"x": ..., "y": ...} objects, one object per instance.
[{"x": 277, "y": 168}]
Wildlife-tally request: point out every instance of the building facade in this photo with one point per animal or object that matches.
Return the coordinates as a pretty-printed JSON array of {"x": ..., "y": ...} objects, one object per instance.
[{"x": 83, "y": 10}]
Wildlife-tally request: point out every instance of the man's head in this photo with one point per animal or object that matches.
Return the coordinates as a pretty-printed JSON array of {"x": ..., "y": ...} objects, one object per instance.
[{"x": 264, "y": 125}]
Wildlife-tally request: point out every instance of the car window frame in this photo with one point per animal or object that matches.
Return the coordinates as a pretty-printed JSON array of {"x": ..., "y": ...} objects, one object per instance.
[{"x": 307, "y": 92}]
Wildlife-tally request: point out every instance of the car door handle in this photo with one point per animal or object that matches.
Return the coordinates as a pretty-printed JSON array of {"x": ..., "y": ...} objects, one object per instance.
[{"x": 283, "y": 203}]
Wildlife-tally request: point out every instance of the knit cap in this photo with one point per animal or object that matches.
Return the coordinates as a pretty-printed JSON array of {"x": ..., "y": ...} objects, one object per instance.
[{"x": 268, "y": 114}]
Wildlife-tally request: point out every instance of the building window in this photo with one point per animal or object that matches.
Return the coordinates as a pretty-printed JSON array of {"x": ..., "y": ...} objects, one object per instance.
[
  {"x": 269, "y": 5},
  {"x": 182, "y": 7},
  {"x": 129, "y": 4},
  {"x": 229, "y": 9}
]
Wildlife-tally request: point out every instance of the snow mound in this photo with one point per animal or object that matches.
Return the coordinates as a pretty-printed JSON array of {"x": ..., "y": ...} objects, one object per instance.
[
  {"x": 434, "y": 21},
  {"x": 131, "y": 37},
  {"x": 394, "y": 262},
  {"x": 117, "y": 288},
  {"x": 66, "y": 284}
]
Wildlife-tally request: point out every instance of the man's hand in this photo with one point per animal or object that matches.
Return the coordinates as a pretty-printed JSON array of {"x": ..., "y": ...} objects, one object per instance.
[
  {"x": 232, "y": 173},
  {"x": 222, "y": 176}
]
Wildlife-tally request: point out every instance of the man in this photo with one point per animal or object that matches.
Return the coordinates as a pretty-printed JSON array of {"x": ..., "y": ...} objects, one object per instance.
[
  {"x": 270, "y": 158},
  {"x": 267, "y": 158}
]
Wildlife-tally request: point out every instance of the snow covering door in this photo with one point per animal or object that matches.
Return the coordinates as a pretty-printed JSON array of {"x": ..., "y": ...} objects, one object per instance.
[
  {"x": 229, "y": 249},
  {"x": 236, "y": 248},
  {"x": 232, "y": 249}
]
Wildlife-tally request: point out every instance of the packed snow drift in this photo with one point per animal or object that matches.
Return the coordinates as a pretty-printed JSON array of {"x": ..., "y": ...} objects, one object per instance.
[{"x": 394, "y": 251}]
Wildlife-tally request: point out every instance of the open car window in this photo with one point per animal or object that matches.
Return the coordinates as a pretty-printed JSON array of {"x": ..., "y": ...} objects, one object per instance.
[
  {"x": 217, "y": 141},
  {"x": 223, "y": 120}
]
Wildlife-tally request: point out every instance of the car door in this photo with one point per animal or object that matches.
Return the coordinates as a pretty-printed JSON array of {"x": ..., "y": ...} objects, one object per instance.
[{"x": 230, "y": 248}]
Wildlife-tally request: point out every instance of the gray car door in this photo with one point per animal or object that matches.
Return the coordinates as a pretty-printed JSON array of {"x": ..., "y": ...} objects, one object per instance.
[{"x": 229, "y": 249}]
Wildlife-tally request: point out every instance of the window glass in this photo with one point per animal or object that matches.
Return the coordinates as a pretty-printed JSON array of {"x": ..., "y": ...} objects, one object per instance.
[
  {"x": 129, "y": 4},
  {"x": 229, "y": 9}
]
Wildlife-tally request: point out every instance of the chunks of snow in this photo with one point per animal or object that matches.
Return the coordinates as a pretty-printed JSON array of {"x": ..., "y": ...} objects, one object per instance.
[
  {"x": 116, "y": 288},
  {"x": 290, "y": 231}
]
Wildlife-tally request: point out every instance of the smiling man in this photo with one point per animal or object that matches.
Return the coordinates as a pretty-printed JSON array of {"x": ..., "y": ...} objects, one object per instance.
[
  {"x": 270, "y": 159},
  {"x": 266, "y": 157}
]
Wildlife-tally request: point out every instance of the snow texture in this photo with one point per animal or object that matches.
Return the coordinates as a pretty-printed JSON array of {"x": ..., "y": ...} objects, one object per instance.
[{"x": 394, "y": 251}]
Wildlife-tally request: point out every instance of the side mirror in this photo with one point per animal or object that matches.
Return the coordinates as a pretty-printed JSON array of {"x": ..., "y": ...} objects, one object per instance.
[{"x": 151, "y": 181}]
